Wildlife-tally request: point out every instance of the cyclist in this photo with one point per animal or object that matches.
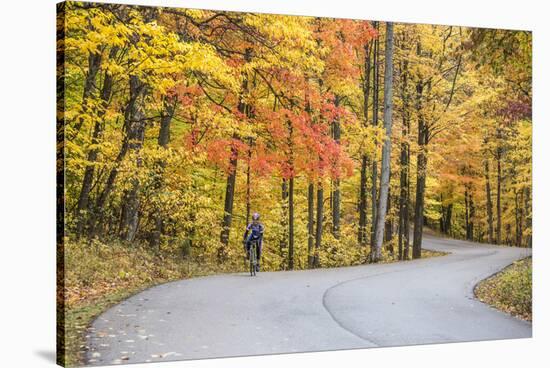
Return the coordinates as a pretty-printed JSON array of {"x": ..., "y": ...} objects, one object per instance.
[{"x": 254, "y": 231}]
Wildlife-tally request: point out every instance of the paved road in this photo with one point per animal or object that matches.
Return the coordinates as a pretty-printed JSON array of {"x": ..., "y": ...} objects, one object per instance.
[{"x": 416, "y": 302}]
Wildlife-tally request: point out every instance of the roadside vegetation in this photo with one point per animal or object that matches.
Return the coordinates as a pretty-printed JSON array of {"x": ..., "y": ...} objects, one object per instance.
[{"x": 510, "y": 290}]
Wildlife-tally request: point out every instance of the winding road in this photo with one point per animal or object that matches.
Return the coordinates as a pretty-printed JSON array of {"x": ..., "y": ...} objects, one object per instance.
[{"x": 417, "y": 302}]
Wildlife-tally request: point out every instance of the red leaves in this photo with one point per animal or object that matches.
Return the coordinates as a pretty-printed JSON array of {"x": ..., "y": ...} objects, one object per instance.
[
  {"x": 186, "y": 94},
  {"x": 221, "y": 151}
]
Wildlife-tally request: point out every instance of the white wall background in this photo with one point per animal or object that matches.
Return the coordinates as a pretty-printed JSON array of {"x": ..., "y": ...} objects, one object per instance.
[{"x": 27, "y": 181}]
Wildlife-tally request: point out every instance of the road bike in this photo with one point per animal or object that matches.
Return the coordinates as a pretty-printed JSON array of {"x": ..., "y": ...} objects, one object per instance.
[{"x": 252, "y": 256}]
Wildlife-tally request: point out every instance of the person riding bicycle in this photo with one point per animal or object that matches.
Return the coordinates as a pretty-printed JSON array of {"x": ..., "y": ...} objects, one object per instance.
[{"x": 254, "y": 232}]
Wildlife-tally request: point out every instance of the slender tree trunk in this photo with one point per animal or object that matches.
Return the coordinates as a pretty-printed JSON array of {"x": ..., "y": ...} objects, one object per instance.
[
  {"x": 291, "y": 198},
  {"x": 242, "y": 107},
  {"x": 336, "y": 183},
  {"x": 136, "y": 135},
  {"x": 291, "y": 223},
  {"x": 228, "y": 204},
  {"x": 472, "y": 214},
  {"x": 386, "y": 150},
  {"x": 83, "y": 200},
  {"x": 388, "y": 226},
  {"x": 489, "y": 205},
  {"x": 94, "y": 63},
  {"x": 319, "y": 224},
  {"x": 169, "y": 107},
  {"x": 310, "y": 221},
  {"x": 519, "y": 216},
  {"x": 403, "y": 168},
  {"x": 248, "y": 181},
  {"x": 374, "y": 175},
  {"x": 467, "y": 214},
  {"x": 499, "y": 183},
  {"x": 527, "y": 209},
  {"x": 362, "y": 232},
  {"x": 406, "y": 210},
  {"x": 132, "y": 117},
  {"x": 284, "y": 217},
  {"x": 420, "y": 170}
]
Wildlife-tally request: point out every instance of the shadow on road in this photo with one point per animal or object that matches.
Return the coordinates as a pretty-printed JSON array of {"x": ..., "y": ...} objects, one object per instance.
[{"x": 48, "y": 355}]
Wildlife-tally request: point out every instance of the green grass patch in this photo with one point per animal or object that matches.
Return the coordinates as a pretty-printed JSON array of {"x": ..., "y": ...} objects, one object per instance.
[{"x": 510, "y": 290}]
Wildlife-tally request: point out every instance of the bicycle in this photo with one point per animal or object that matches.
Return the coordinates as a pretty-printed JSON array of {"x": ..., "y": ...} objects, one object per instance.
[{"x": 253, "y": 261}]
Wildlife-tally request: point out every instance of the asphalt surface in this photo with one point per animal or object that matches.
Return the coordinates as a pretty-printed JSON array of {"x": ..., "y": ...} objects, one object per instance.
[{"x": 406, "y": 303}]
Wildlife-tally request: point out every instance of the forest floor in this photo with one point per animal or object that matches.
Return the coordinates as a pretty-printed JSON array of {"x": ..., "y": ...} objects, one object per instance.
[
  {"x": 510, "y": 290},
  {"x": 311, "y": 310}
]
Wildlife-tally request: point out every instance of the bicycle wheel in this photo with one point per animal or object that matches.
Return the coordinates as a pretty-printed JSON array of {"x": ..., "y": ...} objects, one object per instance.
[{"x": 251, "y": 259}]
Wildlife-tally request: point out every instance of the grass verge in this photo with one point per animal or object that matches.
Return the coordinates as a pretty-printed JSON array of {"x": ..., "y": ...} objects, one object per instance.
[
  {"x": 509, "y": 290},
  {"x": 99, "y": 276}
]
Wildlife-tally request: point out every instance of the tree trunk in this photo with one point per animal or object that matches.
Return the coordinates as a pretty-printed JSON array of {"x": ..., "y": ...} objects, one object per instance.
[
  {"x": 336, "y": 184},
  {"x": 422, "y": 161},
  {"x": 388, "y": 227},
  {"x": 132, "y": 117},
  {"x": 284, "y": 216},
  {"x": 94, "y": 63},
  {"x": 228, "y": 204},
  {"x": 472, "y": 214},
  {"x": 291, "y": 224},
  {"x": 499, "y": 183},
  {"x": 374, "y": 175},
  {"x": 310, "y": 221},
  {"x": 528, "y": 215},
  {"x": 403, "y": 168},
  {"x": 406, "y": 210},
  {"x": 136, "y": 136},
  {"x": 83, "y": 199},
  {"x": 386, "y": 149},
  {"x": 248, "y": 181},
  {"x": 169, "y": 107},
  {"x": 362, "y": 231},
  {"x": 243, "y": 108},
  {"x": 319, "y": 224},
  {"x": 489, "y": 205}
]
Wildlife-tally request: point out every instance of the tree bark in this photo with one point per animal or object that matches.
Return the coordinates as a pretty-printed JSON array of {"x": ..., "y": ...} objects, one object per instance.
[
  {"x": 291, "y": 224},
  {"x": 489, "y": 205},
  {"x": 132, "y": 113},
  {"x": 136, "y": 136},
  {"x": 310, "y": 221},
  {"x": 243, "y": 108},
  {"x": 169, "y": 107},
  {"x": 362, "y": 231},
  {"x": 336, "y": 183},
  {"x": 83, "y": 199},
  {"x": 319, "y": 224},
  {"x": 94, "y": 63},
  {"x": 403, "y": 168},
  {"x": 374, "y": 174},
  {"x": 386, "y": 150},
  {"x": 528, "y": 215},
  {"x": 420, "y": 170},
  {"x": 499, "y": 183}
]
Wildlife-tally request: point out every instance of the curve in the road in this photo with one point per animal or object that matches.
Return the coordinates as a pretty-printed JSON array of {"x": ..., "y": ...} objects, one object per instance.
[{"x": 416, "y": 302}]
